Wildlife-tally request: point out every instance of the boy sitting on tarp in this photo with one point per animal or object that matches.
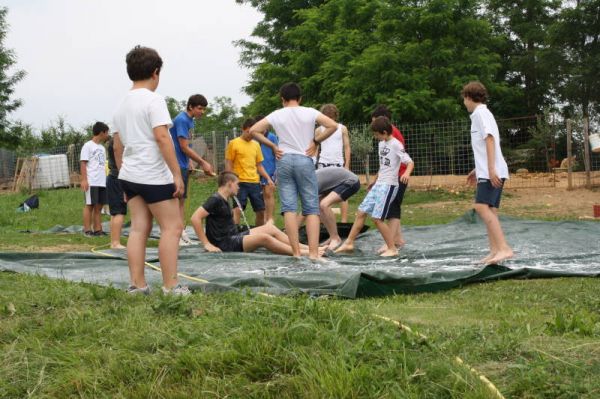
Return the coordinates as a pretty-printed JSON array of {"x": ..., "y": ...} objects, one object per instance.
[{"x": 222, "y": 234}]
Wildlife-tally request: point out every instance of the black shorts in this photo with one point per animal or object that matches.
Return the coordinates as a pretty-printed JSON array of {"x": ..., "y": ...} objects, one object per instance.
[
  {"x": 185, "y": 175},
  {"x": 150, "y": 193},
  {"x": 116, "y": 198},
  {"x": 488, "y": 194},
  {"x": 344, "y": 190},
  {"x": 251, "y": 191},
  {"x": 95, "y": 195},
  {"x": 235, "y": 243},
  {"x": 395, "y": 211}
]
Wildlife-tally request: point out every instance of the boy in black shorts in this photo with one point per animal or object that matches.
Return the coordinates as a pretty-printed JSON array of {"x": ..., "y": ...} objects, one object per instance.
[
  {"x": 116, "y": 199},
  {"x": 221, "y": 233}
]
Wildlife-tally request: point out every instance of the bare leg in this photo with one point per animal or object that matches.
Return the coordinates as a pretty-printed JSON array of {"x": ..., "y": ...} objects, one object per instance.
[
  {"x": 116, "y": 225},
  {"x": 388, "y": 236},
  {"x": 97, "y": 215},
  {"x": 260, "y": 218},
  {"x": 168, "y": 217},
  {"x": 344, "y": 208},
  {"x": 269, "y": 196},
  {"x": 498, "y": 245},
  {"x": 328, "y": 219},
  {"x": 291, "y": 229},
  {"x": 87, "y": 217},
  {"x": 263, "y": 240},
  {"x": 396, "y": 228},
  {"x": 313, "y": 228},
  {"x": 141, "y": 225},
  {"x": 182, "y": 210},
  {"x": 359, "y": 222}
]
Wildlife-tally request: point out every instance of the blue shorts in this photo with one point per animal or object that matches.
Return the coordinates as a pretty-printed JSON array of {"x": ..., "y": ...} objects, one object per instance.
[
  {"x": 296, "y": 177},
  {"x": 253, "y": 192},
  {"x": 488, "y": 194},
  {"x": 378, "y": 201},
  {"x": 273, "y": 177}
]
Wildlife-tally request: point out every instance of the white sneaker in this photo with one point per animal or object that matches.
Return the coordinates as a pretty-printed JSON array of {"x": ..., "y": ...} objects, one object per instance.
[
  {"x": 185, "y": 240},
  {"x": 179, "y": 290},
  {"x": 133, "y": 290}
]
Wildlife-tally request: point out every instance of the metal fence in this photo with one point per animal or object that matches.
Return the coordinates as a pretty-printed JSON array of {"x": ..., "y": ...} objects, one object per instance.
[{"x": 535, "y": 149}]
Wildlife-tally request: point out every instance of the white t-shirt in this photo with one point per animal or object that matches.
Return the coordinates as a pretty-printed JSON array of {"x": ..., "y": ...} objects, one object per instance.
[
  {"x": 482, "y": 125},
  {"x": 391, "y": 155},
  {"x": 95, "y": 155},
  {"x": 295, "y": 128},
  {"x": 139, "y": 112},
  {"x": 332, "y": 148}
]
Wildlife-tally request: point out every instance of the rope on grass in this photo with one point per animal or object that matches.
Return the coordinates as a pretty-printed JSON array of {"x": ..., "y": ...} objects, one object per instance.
[
  {"x": 457, "y": 359},
  {"x": 150, "y": 265}
]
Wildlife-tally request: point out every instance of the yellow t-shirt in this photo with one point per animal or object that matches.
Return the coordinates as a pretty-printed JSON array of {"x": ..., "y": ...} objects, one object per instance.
[{"x": 244, "y": 155}]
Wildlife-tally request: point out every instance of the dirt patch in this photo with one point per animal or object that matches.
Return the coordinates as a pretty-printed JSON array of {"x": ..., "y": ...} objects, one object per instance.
[{"x": 48, "y": 248}]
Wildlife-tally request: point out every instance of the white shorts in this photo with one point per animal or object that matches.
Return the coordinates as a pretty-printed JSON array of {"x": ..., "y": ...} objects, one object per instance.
[{"x": 378, "y": 201}]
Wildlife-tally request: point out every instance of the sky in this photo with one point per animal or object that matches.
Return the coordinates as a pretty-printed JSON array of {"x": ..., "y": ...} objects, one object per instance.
[{"x": 74, "y": 52}]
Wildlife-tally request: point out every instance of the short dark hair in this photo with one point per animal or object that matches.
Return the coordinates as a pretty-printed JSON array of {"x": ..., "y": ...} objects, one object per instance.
[
  {"x": 476, "y": 91},
  {"x": 195, "y": 100},
  {"x": 142, "y": 62},
  {"x": 290, "y": 91},
  {"x": 249, "y": 122},
  {"x": 381, "y": 110},
  {"x": 382, "y": 125},
  {"x": 331, "y": 111},
  {"x": 99, "y": 127},
  {"x": 226, "y": 177}
]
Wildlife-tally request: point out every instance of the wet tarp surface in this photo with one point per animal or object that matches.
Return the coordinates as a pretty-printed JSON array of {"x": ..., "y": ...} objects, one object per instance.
[{"x": 436, "y": 258}]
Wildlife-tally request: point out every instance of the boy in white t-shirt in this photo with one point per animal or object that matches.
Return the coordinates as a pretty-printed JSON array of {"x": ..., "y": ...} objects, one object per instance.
[
  {"x": 380, "y": 197},
  {"x": 490, "y": 169},
  {"x": 93, "y": 180},
  {"x": 294, "y": 126},
  {"x": 148, "y": 171}
]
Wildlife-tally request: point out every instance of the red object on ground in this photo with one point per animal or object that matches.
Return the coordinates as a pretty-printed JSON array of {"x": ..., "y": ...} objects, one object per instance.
[{"x": 597, "y": 211}]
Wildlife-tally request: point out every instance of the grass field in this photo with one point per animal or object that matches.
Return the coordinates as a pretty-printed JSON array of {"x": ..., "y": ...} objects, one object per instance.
[{"x": 532, "y": 339}]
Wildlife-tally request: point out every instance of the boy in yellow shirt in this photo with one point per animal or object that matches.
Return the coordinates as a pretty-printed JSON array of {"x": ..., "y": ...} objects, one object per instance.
[{"x": 243, "y": 157}]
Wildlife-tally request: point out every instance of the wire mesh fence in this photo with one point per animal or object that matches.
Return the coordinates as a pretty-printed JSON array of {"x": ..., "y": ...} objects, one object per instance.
[{"x": 535, "y": 149}]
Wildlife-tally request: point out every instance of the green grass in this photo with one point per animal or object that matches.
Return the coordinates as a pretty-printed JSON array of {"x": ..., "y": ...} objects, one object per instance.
[{"x": 532, "y": 338}]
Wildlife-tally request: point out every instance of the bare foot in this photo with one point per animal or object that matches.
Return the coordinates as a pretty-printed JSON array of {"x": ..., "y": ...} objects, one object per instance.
[
  {"x": 333, "y": 244},
  {"x": 500, "y": 256},
  {"x": 345, "y": 248},
  {"x": 485, "y": 260},
  {"x": 384, "y": 247},
  {"x": 117, "y": 246},
  {"x": 326, "y": 242},
  {"x": 389, "y": 252}
]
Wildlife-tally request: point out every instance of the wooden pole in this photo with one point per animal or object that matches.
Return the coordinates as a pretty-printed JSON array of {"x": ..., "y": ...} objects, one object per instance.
[
  {"x": 569, "y": 153},
  {"x": 586, "y": 152}
]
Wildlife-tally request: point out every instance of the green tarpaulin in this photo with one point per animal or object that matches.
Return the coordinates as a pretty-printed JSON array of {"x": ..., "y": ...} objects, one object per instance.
[{"x": 436, "y": 258}]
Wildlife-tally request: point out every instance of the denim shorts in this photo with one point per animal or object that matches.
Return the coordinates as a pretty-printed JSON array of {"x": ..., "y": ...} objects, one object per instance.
[
  {"x": 253, "y": 192},
  {"x": 296, "y": 177},
  {"x": 488, "y": 194}
]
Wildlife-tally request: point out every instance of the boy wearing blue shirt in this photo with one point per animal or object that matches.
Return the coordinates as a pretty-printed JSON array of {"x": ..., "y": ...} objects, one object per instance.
[
  {"x": 183, "y": 125},
  {"x": 269, "y": 163}
]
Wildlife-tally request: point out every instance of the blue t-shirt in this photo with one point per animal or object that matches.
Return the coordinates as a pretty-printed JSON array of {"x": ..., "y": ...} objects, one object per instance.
[
  {"x": 269, "y": 158},
  {"x": 182, "y": 124}
]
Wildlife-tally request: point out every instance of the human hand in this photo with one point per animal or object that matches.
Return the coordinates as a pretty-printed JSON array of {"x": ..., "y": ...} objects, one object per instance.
[
  {"x": 278, "y": 153},
  {"x": 208, "y": 169},
  {"x": 404, "y": 178},
  {"x": 270, "y": 183},
  {"x": 179, "y": 187},
  {"x": 211, "y": 248},
  {"x": 471, "y": 178},
  {"x": 84, "y": 185},
  {"x": 494, "y": 179},
  {"x": 311, "y": 151}
]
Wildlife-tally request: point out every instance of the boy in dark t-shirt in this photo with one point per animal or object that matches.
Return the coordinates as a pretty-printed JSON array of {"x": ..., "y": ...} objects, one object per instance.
[{"x": 221, "y": 233}]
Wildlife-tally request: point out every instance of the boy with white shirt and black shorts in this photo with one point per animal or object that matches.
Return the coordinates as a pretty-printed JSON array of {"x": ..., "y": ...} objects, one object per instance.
[
  {"x": 294, "y": 126},
  {"x": 490, "y": 169},
  {"x": 93, "y": 180},
  {"x": 380, "y": 197},
  {"x": 149, "y": 172}
]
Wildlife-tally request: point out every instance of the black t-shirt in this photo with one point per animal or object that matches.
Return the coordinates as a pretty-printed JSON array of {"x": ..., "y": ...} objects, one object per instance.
[
  {"x": 112, "y": 164},
  {"x": 219, "y": 223}
]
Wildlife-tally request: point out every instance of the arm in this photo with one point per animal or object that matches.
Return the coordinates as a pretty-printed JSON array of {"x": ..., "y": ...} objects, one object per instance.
[
  {"x": 490, "y": 149},
  {"x": 258, "y": 130},
  {"x": 347, "y": 151},
  {"x": 84, "y": 180},
  {"x": 118, "y": 149},
  {"x": 471, "y": 178},
  {"x": 198, "y": 223},
  {"x": 406, "y": 175},
  {"x": 165, "y": 145},
  {"x": 264, "y": 174},
  {"x": 329, "y": 127},
  {"x": 187, "y": 150}
]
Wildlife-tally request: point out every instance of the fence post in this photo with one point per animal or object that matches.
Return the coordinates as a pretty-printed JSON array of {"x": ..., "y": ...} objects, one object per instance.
[
  {"x": 586, "y": 152},
  {"x": 569, "y": 154},
  {"x": 214, "y": 152}
]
